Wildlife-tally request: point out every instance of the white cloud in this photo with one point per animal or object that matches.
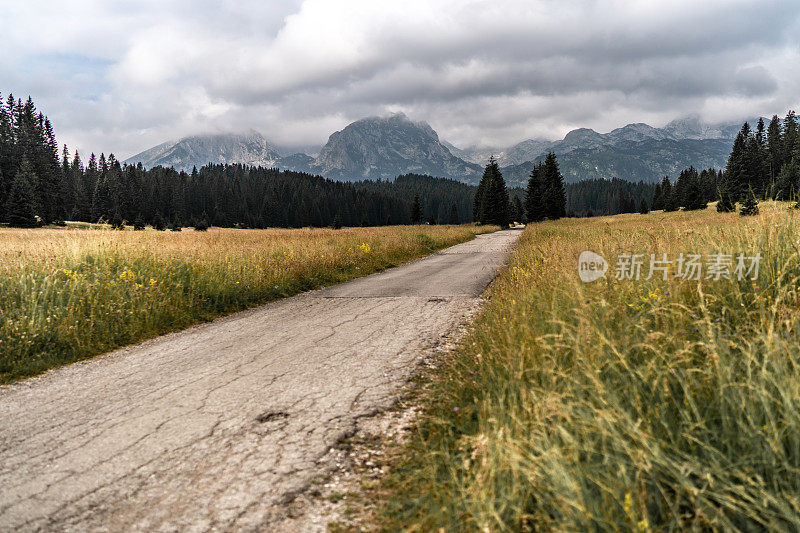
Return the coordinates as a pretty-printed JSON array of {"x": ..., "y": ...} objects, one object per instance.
[{"x": 123, "y": 77}]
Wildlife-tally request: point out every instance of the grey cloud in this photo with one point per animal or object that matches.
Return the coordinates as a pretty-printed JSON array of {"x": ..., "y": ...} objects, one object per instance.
[{"x": 480, "y": 72}]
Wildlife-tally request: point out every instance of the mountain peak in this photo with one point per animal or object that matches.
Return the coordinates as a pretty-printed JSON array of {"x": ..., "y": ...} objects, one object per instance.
[
  {"x": 249, "y": 148},
  {"x": 383, "y": 147}
]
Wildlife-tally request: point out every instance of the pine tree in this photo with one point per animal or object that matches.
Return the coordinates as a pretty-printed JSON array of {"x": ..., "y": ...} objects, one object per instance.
[
  {"x": 453, "y": 216},
  {"x": 116, "y": 221},
  {"x": 20, "y": 203},
  {"x": 416, "y": 210},
  {"x": 643, "y": 209},
  {"x": 726, "y": 203},
  {"x": 749, "y": 205},
  {"x": 202, "y": 223},
  {"x": 694, "y": 198},
  {"x": 668, "y": 193},
  {"x": 555, "y": 197},
  {"x": 337, "y": 222},
  {"x": 138, "y": 224},
  {"x": 495, "y": 203},
  {"x": 519, "y": 211},
  {"x": 535, "y": 195},
  {"x": 176, "y": 224},
  {"x": 789, "y": 137},
  {"x": 158, "y": 222},
  {"x": 657, "y": 203},
  {"x": 774, "y": 147}
]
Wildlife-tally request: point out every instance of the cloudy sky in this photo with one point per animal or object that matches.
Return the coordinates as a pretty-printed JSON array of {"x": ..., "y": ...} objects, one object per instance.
[{"x": 123, "y": 76}]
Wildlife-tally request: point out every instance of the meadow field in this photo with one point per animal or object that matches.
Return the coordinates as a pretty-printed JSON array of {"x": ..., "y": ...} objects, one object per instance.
[
  {"x": 619, "y": 405},
  {"x": 71, "y": 293}
]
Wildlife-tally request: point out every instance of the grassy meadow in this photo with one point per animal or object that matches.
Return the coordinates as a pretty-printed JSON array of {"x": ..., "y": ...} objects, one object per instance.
[
  {"x": 618, "y": 405},
  {"x": 71, "y": 293}
]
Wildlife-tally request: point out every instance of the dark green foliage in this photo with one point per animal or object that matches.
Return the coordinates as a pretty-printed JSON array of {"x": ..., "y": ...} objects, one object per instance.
[
  {"x": 491, "y": 197},
  {"x": 432, "y": 220},
  {"x": 726, "y": 204},
  {"x": 201, "y": 224},
  {"x": 669, "y": 196},
  {"x": 692, "y": 196},
  {"x": 749, "y": 205},
  {"x": 657, "y": 202},
  {"x": 116, "y": 221},
  {"x": 176, "y": 224},
  {"x": 158, "y": 222},
  {"x": 535, "y": 194},
  {"x": 20, "y": 202},
  {"x": 416, "y": 210},
  {"x": 138, "y": 224},
  {"x": 337, "y": 222},
  {"x": 452, "y": 218},
  {"x": 643, "y": 209},
  {"x": 545, "y": 197}
]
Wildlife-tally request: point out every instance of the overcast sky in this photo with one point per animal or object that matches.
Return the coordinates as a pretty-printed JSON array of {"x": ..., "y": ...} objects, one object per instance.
[{"x": 123, "y": 76}]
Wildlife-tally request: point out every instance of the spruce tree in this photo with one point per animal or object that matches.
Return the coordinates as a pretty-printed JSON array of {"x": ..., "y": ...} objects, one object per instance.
[
  {"x": 555, "y": 196},
  {"x": 774, "y": 147},
  {"x": 138, "y": 224},
  {"x": 453, "y": 216},
  {"x": 670, "y": 198},
  {"x": 694, "y": 198},
  {"x": 116, "y": 221},
  {"x": 643, "y": 209},
  {"x": 176, "y": 224},
  {"x": 158, "y": 222},
  {"x": 789, "y": 137},
  {"x": 726, "y": 202},
  {"x": 749, "y": 205},
  {"x": 495, "y": 203},
  {"x": 416, "y": 210},
  {"x": 657, "y": 202},
  {"x": 20, "y": 203},
  {"x": 518, "y": 210},
  {"x": 535, "y": 195}
]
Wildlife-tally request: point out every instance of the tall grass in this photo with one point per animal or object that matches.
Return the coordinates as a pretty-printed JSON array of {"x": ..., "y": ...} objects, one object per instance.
[
  {"x": 619, "y": 405},
  {"x": 68, "y": 294}
]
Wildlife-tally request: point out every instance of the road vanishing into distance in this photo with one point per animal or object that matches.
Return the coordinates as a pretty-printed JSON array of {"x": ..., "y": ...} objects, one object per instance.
[{"x": 219, "y": 426}]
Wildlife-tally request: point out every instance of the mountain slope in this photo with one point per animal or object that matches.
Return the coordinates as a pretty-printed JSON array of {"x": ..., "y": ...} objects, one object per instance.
[
  {"x": 383, "y": 147},
  {"x": 251, "y": 149},
  {"x": 648, "y": 160}
]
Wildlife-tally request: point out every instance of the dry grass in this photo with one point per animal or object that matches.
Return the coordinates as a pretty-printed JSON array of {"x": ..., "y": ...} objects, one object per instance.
[
  {"x": 68, "y": 294},
  {"x": 619, "y": 405}
]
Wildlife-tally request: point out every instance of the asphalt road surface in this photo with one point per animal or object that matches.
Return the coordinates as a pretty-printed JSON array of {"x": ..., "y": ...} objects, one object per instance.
[{"x": 218, "y": 426}]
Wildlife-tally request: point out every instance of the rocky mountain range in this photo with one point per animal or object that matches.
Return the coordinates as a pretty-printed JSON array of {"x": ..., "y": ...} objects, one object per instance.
[{"x": 385, "y": 147}]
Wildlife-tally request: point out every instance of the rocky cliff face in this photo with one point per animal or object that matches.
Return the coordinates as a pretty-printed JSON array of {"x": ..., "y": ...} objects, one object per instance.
[{"x": 384, "y": 147}]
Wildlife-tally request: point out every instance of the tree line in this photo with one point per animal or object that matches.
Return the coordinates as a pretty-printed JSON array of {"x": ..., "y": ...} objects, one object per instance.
[
  {"x": 39, "y": 185},
  {"x": 544, "y": 198}
]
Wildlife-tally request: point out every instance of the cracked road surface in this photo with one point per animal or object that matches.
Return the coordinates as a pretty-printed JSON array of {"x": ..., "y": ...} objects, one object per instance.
[{"x": 218, "y": 426}]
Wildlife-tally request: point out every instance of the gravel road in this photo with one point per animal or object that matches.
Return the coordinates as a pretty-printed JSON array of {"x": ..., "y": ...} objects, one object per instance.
[{"x": 218, "y": 426}]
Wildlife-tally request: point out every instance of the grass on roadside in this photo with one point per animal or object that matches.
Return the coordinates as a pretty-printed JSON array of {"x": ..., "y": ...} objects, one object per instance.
[
  {"x": 618, "y": 405},
  {"x": 69, "y": 294}
]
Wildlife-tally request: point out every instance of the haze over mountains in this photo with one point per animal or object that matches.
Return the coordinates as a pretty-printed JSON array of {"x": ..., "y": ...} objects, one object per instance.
[{"x": 385, "y": 147}]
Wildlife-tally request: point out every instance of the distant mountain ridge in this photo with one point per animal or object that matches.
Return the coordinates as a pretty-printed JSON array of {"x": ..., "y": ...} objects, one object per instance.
[{"x": 385, "y": 147}]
